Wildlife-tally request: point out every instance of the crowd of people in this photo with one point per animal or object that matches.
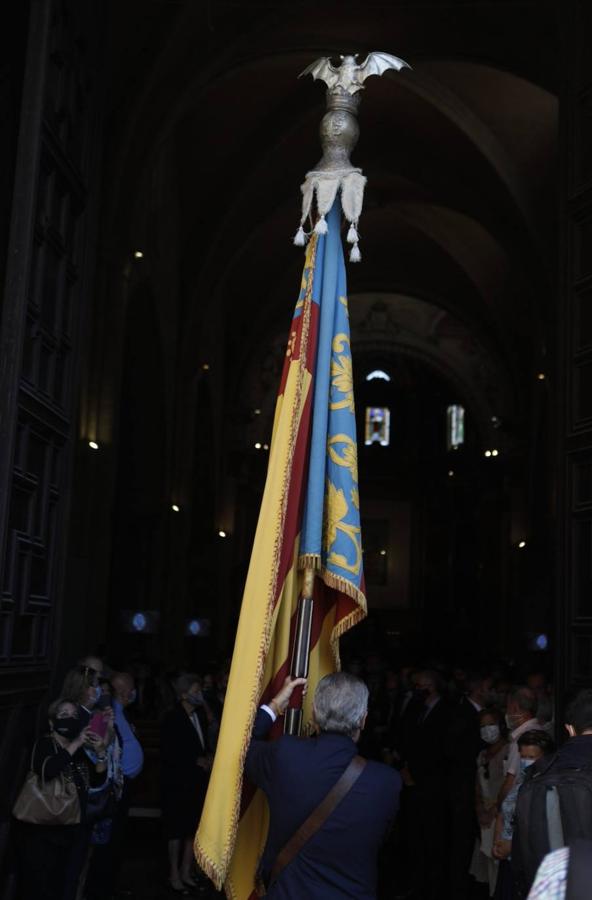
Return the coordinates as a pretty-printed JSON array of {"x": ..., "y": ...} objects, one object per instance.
[
  {"x": 471, "y": 748},
  {"x": 72, "y": 811}
]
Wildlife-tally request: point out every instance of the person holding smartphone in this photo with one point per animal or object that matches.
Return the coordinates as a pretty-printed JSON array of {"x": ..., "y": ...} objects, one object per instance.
[{"x": 50, "y": 854}]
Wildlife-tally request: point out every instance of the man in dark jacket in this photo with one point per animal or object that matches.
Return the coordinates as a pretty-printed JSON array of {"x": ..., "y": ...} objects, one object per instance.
[
  {"x": 296, "y": 774},
  {"x": 554, "y": 805},
  {"x": 425, "y": 775},
  {"x": 462, "y": 745}
]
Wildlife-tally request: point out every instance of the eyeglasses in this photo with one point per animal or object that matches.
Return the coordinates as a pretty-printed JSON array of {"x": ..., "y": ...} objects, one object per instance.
[{"x": 91, "y": 676}]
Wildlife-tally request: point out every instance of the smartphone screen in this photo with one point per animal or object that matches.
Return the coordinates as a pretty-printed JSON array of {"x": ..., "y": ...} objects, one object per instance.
[{"x": 98, "y": 724}]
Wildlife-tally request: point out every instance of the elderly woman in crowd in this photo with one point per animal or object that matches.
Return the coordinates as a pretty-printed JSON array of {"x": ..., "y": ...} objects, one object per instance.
[
  {"x": 490, "y": 777},
  {"x": 50, "y": 854},
  {"x": 185, "y": 745}
]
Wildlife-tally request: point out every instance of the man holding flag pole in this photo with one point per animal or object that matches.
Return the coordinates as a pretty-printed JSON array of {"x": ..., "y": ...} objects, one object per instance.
[{"x": 325, "y": 808}]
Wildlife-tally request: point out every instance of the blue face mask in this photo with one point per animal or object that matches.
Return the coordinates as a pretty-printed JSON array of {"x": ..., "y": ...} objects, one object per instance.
[
  {"x": 98, "y": 692},
  {"x": 526, "y": 763}
]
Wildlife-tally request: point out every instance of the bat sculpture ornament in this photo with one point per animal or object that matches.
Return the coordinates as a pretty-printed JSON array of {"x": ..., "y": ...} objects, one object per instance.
[
  {"x": 350, "y": 76},
  {"x": 339, "y": 133}
]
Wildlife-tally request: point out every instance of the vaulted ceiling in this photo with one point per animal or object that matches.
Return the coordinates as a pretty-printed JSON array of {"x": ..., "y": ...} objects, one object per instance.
[{"x": 459, "y": 153}]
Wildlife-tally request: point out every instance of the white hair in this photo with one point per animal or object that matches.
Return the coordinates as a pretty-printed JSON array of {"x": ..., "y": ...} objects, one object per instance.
[{"x": 340, "y": 703}]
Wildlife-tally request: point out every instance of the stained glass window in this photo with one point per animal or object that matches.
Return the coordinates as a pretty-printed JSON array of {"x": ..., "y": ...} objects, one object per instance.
[
  {"x": 455, "y": 426},
  {"x": 378, "y": 425}
]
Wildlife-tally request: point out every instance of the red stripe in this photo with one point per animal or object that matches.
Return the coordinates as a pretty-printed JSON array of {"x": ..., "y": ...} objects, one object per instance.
[
  {"x": 298, "y": 474},
  {"x": 326, "y": 600}
]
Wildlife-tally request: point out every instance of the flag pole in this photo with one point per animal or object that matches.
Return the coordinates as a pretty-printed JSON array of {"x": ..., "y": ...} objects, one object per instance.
[
  {"x": 333, "y": 175},
  {"x": 301, "y": 649}
]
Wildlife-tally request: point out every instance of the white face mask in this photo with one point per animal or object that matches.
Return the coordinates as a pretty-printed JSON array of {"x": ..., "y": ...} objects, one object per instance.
[{"x": 490, "y": 733}]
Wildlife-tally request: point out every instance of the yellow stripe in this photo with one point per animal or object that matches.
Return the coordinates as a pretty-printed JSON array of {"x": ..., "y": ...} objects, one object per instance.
[{"x": 216, "y": 833}]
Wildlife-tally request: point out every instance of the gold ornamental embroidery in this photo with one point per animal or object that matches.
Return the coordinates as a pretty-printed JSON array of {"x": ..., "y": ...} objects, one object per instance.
[
  {"x": 342, "y": 373},
  {"x": 336, "y": 509},
  {"x": 349, "y": 457}
]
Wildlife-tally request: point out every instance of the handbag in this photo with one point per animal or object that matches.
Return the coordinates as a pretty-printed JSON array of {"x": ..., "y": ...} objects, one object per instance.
[{"x": 53, "y": 802}]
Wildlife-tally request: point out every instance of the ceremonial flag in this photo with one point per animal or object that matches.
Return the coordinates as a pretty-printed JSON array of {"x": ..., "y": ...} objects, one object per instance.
[{"x": 309, "y": 518}]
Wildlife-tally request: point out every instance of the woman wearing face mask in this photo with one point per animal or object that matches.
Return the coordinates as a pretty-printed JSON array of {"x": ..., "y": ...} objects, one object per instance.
[
  {"x": 533, "y": 745},
  {"x": 81, "y": 686},
  {"x": 490, "y": 776},
  {"x": 49, "y": 852},
  {"x": 185, "y": 748}
]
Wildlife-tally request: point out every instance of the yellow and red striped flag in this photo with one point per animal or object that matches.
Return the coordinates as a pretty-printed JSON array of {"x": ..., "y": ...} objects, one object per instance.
[{"x": 309, "y": 518}]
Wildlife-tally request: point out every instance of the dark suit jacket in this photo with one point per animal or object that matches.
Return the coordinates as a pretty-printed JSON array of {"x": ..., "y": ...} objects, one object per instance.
[
  {"x": 463, "y": 742},
  {"x": 296, "y": 774},
  {"x": 183, "y": 782},
  {"x": 425, "y": 745}
]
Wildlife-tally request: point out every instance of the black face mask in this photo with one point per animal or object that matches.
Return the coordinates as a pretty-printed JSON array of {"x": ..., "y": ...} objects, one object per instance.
[{"x": 69, "y": 727}]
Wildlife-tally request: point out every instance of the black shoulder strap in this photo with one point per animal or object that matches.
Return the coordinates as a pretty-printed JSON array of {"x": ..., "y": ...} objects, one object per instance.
[
  {"x": 318, "y": 816},
  {"x": 579, "y": 873}
]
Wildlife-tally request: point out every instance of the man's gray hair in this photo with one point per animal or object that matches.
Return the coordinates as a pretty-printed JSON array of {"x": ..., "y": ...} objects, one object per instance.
[{"x": 340, "y": 703}]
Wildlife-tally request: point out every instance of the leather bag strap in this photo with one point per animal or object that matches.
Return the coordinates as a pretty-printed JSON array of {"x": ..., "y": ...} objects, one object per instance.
[{"x": 318, "y": 817}]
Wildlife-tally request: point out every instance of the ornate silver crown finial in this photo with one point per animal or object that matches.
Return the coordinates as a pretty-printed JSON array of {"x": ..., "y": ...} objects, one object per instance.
[{"x": 339, "y": 134}]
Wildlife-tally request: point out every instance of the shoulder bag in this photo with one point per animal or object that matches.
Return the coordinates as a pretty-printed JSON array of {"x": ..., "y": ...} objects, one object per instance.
[{"x": 53, "y": 802}]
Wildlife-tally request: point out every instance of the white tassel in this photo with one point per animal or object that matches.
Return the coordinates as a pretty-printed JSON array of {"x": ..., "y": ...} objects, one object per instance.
[
  {"x": 352, "y": 235},
  {"x": 300, "y": 237},
  {"x": 355, "y": 255},
  {"x": 321, "y": 227}
]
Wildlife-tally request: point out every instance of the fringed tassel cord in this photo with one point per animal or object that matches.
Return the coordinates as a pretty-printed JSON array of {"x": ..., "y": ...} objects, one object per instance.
[
  {"x": 300, "y": 238},
  {"x": 321, "y": 227},
  {"x": 355, "y": 255}
]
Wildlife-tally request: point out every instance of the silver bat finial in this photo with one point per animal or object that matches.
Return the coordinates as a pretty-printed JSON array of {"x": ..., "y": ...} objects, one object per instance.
[
  {"x": 339, "y": 133},
  {"x": 350, "y": 76},
  {"x": 339, "y": 128}
]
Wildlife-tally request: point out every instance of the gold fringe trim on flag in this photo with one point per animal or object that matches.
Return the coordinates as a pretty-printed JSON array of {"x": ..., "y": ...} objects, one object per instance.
[
  {"x": 310, "y": 561},
  {"x": 217, "y": 873},
  {"x": 313, "y": 561}
]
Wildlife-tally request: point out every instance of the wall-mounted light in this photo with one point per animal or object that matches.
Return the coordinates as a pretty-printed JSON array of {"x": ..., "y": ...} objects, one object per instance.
[
  {"x": 451, "y": 473},
  {"x": 175, "y": 508},
  {"x": 495, "y": 452},
  {"x": 383, "y": 552},
  {"x": 205, "y": 367},
  {"x": 221, "y": 534},
  {"x": 521, "y": 545},
  {"x": 257, "y": 446},
  {"x": 541, "y": 376},
  {"x": 256, "y": 412},
  {"x": 266, "y": 446},
  {"x": 488, "y": 453},
  {"x": 93, "y": 445},
  {"x": 138, "y": 254}
]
